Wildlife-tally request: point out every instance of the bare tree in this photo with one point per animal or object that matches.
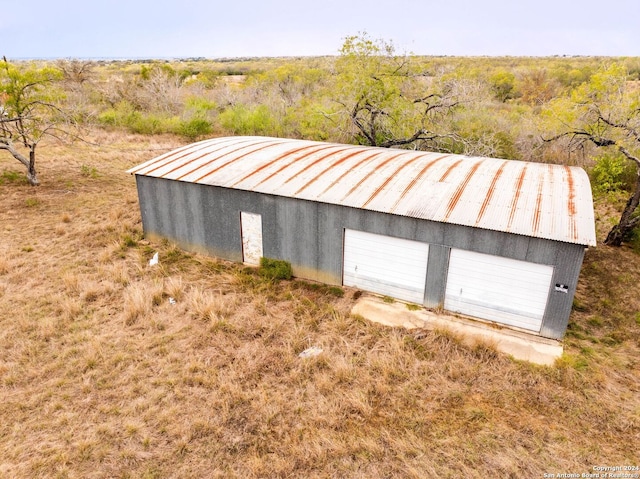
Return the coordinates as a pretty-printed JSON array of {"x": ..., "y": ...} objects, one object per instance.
[{"x": 76, "y": 72}]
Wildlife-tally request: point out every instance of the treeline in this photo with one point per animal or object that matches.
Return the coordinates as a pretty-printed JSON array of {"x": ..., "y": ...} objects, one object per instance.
[{"x": 487, "y": 106}]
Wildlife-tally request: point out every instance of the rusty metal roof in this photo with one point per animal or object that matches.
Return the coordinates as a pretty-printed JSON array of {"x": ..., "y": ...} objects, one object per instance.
[{"x": 531, "y": 199}]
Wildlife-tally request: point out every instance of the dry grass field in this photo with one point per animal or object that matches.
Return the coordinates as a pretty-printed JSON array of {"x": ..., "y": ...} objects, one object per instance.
[{"x": 101, "y": 376}]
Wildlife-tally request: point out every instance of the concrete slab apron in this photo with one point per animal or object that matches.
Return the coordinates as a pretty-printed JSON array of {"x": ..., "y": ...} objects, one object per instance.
[{"x": 521, "y": 346}]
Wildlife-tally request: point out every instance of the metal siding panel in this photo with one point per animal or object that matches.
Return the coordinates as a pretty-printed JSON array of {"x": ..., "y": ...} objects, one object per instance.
[
  {"x": 196, "y": 215},
  {"x": 221, "y": 209},
  {"x": 178, "y": 212},
  {"x": 458, "y": 236},
  {"x": 437, "y": 276},
  {"x": 567, "y": 272},
  {"x": 503, "y": 290},
  {"x": 487, "y": 241},
  {"x": 147, "y": 199},
  {"x": 386, "y": 265},
  {"x": 514, "y": 246},
  {"x": 331, "y": 220},
  {"x": 541, "y": 251},
  {"x": 298, "y": 236}
]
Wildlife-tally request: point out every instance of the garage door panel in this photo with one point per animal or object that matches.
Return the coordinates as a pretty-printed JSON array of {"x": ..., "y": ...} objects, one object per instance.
[
  {"x": 507, "y": 317},
  {"x": 382, "y": 264},
  {"x": 413, "y": 294},
  {"x": 499, "y": 289}
]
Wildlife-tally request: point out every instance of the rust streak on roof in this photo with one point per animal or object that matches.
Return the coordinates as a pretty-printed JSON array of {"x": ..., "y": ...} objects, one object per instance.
[
  {"x": 237, "y": 158},
  {"x": 271, "y": 162},
  {"x": 389, "y": 178},
  {"x": 284, "y": 167},
  {"x": 571, "y": 203},
  {"x": 572, "y": 193},
  {"x": 346, "y": 172},
  {"x": 313, "y": 163},
  {"x": 160, "y": 158},
  {"x": 166, "y": 156},
  {"x": 537, "y": 211},
  {"x": 181, "y": 165},
  {"x": 415, "y": 180},
  {"x": 516, "y": 196},
  {"x": 368, "y": 175},
  {"x": 314, "y": 179},
  {"x": 490, "y": 192},
  {"x": 460, "y": 189},
  {"x": 213, "y": 160},
  {"x": 449, "y": 170}
]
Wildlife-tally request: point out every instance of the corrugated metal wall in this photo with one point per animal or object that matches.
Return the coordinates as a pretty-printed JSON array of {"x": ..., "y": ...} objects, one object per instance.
[{"x": 310, "y": 235}]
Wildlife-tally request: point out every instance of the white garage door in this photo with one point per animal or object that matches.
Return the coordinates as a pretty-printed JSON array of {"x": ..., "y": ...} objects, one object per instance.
[
  {"x": 390, "y": 266},
  {"x": 499, "y": 289}
]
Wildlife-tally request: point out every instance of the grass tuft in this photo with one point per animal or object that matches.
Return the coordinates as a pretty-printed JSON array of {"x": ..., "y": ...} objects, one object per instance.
[
  {"x": 207, "y": 306},
  {"x": 275, "y": 268},
  {"x": 4, "y": 264},
  {"x": 11, "y": 176}
]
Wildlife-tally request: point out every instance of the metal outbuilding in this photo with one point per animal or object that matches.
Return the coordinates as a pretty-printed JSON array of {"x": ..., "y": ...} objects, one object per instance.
[{"x": 499, "y": 240}]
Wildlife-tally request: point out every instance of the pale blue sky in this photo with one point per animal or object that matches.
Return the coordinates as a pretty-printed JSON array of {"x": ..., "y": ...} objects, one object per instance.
[{"x": 214, "y": 29}]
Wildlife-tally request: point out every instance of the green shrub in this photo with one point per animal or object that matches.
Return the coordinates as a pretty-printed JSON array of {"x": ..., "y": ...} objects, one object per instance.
[
  {"x": 125, "y": 115},
  {"x": 143, "y": 124},
  {"x": 612, "y": 172},
  {"x": 199, "y": 104},
  {"x": 108, "y": 118},
  {"x": 275, "y": 268},
  {"x": 336, "y": 291},
  {"x": 241, "y": 120},
  {"x": 194, "y": 128},
  {"x": 503, "y": 84}
]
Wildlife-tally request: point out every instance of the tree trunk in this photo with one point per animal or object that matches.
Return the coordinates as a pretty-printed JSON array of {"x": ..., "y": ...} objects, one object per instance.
[
  {"x": 29, "y": 163},
  {"x": 627, "y": 223},
  {"x": 32, "y": 176}
]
